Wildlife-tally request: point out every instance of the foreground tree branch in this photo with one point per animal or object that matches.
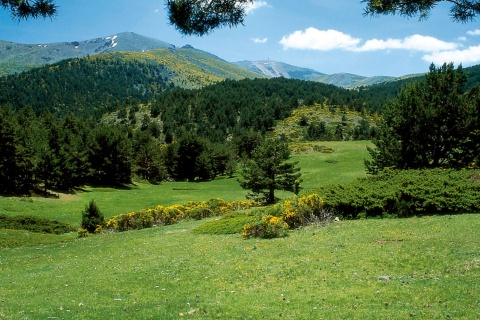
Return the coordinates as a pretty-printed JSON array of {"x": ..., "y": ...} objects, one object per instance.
[
  {"x": 25, "y": 9},
  {"x": 201, "y": 17},
  {"x": 461, "y": 10}
]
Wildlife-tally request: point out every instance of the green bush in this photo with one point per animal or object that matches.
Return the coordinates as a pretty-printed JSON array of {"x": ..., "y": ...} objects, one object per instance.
[
  {"x": 404, "y": 193},
  {"x": 92, "y": 217},
  {"x": 34, "y": 224},
  {"x": 231, "y": 223},
  {"x": 264, "y": 225}
]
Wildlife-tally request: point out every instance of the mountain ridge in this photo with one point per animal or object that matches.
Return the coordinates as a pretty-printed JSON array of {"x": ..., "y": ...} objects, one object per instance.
[
  {"x": 17, "y": 57},
  {"x": 279, "y": 69}
]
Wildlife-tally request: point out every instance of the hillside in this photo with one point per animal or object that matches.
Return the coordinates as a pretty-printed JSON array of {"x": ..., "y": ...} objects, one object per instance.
[
  {"x": 280, "y": 69},
  {"x": 104, "y": 82},
  {"x": 17, "y": 57}
]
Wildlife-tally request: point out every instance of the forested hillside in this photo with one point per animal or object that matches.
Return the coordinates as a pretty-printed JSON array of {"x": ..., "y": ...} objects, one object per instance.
[
  {"x": 231, "y": 106},
  {"x": 106, "y": 82},
  {"x": 378, "y": 94}
]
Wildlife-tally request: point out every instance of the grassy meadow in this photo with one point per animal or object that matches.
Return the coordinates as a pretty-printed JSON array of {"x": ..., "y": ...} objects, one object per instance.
[
  {"x": 343, "y": 164},
  {"x": 424, "y": 267}
]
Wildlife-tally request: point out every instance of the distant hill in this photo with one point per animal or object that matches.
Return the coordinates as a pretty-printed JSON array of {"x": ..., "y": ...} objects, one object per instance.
[
  {"x": 17, "y": 57},
  {"x": 280, "y": 69},
  {"x": 95, "y": 84}
]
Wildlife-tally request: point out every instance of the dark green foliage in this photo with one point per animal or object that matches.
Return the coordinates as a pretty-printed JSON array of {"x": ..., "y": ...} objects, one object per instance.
[
  {"x": 86, "y": 86},
  {"x": 148, "y": 161},
  {"x": 317, "y": 131},
  {"x": 92, "y": 217},
  {"x": 200, "y": 17},
  {"x": 110, "y": 155},
  {"x": 23, "y": 9},
  {"x": 461, "y": 11},
  {"x": 246, "y": 142},
  {"x": 232, "y": 107},
  {"x": 434, "y": 123},
  {"x": 34, "y": 224},
  {"x": 193, "y": 158},
  {"x": 268, "y": 170},
  {"x": 8, "y": 152},
  {"x": 406, "y": 193}
]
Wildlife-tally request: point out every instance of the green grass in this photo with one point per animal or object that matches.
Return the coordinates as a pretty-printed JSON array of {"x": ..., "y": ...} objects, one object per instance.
[
  {"x": 343, "y": 165},
  {"x": 424, "y": 268},
  {"x": 316, "y": 170}
]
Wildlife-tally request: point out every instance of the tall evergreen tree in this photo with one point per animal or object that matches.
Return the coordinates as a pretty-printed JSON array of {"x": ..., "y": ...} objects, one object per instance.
[
  {"x": 268, "y": 170},
  {"x": 434, "y": 123},
  {"x": 8, "y": 152},
  {"x": 110, "y": 155}
]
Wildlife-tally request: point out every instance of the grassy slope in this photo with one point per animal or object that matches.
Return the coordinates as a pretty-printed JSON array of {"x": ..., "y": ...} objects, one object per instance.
[
  {"x": 365, "y": 269},
  {"x": 317, "y": 169}
]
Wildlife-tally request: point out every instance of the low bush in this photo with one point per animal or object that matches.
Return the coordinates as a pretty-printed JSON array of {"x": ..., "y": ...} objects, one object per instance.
[
  {"x": 92, "y": 217},
  {"x": 404, "y": 193},
  {"x": 230, "y": 223},
  {"x": 265, "y": 226},
  {"x": 34, "y": 224},
  {"x": 298, "y": 212}
]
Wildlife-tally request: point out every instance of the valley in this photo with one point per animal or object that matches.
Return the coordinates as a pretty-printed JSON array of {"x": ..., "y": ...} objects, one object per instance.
[{"x": 375, "y": 207}]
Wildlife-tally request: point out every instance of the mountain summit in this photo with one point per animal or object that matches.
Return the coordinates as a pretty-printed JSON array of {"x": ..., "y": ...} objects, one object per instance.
[{"x": 17, "y": 57}]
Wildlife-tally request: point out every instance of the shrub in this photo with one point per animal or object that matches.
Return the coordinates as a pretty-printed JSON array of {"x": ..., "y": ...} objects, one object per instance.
[
  {"x": 92, "y": 217},
  {"x": 161, "y": 216},
  {"x": 199, "y": 213},
  {"x": 305, "y": 210},
  {"x": 34, "y": 224},
  {"x": 229, "y": 223},
  {"x": 82, "y": 233},
  {"x": 265, "y": 226},
  {"x": 405, "y": 193}
]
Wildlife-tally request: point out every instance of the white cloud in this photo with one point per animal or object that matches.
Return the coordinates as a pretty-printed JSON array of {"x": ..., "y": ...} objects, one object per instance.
[
  {"x": 255, "y": 5},
  {"x": 322, "y": 40},
  {"x": 415, "y": 43},
  {"x": 258, "y": 40},
  {"x": 462, "y": 38},
  {"x": 326, "y": 40},
  {"x": 467, "y": 56},
  {"x": 474, "y": 32}
]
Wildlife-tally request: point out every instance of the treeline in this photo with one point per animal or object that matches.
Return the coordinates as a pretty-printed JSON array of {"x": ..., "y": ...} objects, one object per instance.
[
  {"x": 41, "y": 153},
  {"x": 92, "y": 86},
  {"x": 84, "y": 87}
]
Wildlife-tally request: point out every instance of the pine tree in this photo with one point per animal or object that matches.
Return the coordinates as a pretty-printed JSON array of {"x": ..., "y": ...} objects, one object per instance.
[
  {"x": 92, "y": 217},
  {"x": 430, "y": 124},
  {"x": 268, "y": 170}
]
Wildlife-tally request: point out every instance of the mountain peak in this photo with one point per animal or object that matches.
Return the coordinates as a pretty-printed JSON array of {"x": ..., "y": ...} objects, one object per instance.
[{"x": 27, "y": 56}]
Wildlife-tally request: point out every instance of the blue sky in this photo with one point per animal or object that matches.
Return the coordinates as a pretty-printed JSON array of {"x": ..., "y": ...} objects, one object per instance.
[{"x": 329, "y": 36}]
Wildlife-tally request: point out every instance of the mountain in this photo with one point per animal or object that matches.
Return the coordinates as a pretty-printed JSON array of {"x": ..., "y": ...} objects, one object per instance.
[
  {"x": 98, "y": 83},
  {"x": 17, "y": 57},
  {"x": 275, "y": 69},
  {"x": 280, "y": 69}
]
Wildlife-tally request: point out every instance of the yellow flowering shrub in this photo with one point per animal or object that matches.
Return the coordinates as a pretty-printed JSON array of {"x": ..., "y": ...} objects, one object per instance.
[
  {"x": 161, "y": 215},
  {"x": 292, "y": 215},
  {"x": 265, "y": 226}
]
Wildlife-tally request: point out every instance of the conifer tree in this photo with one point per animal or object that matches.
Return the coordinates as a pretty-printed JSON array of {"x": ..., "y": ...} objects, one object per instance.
[
  {"x": 433, "y": 123},
  {"x": 268, "y": 170}
]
